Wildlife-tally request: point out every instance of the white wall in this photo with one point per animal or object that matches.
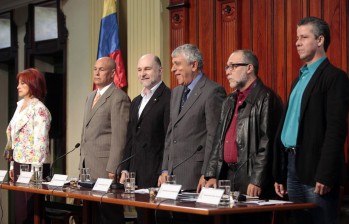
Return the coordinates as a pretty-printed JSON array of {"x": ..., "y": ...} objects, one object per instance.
[{"x": 79, "y": 73}]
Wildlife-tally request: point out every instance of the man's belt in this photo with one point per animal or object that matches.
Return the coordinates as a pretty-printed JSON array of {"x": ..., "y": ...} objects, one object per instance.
[{"x": 291, "y": 150}]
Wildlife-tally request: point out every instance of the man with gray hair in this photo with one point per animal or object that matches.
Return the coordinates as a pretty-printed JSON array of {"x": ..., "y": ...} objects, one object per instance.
[
  {"x": 243, "y": 144},
  {"x": 194, "y": 114}
]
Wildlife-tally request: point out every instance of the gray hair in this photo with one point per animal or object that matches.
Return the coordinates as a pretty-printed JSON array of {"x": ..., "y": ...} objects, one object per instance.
[
  {"x": 191, "y": 53},
  {"x": 250, "y": 58},
  {"x": 320, "y": 27},
  {"x": 157, "y": 60}
]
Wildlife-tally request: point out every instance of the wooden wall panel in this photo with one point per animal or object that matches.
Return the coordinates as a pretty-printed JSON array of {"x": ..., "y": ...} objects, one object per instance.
[
  {"x": 279, "y": 74},
  {"x": 206, "y": 33},
  {"x": 268, "y": 27},
  {"x": 261, "y": 38},
  {"x": 294, "y": 12},
  {"x": 315, "y": 8},
  {"x": 227, "y": 38},
  {"x": 332, "y": 14},
  {"x": 179, "y": 30},
  {"x": 193, "y": 22},
  {"x": 246, "y": 24}
]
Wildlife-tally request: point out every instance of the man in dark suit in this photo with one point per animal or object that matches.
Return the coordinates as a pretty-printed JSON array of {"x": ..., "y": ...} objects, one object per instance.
[
  {"x": 194, "y": 115},
  {"x": 104, "y": 129},
  {"x": 149, "y": 117},
  {"x": 310, "y": 140},
  {"x": 146, "y": 131}
]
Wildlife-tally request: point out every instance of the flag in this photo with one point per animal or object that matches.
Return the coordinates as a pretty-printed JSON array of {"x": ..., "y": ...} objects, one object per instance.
[{"x": 109, "y": 44}]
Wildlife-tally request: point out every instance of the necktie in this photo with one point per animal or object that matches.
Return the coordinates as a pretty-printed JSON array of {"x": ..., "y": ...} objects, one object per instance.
[
  {"x": 98, "y": 95},
  {"x": 184, "y": 97}
]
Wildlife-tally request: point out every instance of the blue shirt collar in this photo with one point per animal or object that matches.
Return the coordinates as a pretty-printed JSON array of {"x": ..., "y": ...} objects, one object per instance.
[
  {"x": 313, "y": 66},
  {"x": 194, "y": 82}
]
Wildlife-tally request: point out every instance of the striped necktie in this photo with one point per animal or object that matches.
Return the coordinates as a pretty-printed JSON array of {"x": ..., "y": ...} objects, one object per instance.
[{"x": 184, "y": 97}]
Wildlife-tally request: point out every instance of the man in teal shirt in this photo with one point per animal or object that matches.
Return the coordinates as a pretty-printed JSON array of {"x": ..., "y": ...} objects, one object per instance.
[{"x": 309, "y": 153}]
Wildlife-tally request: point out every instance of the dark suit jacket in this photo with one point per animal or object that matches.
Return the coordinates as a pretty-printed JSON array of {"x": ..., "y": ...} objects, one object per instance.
[
  {"x": 195, "y": 125},
  {"x": 322, "y": 129},
  {"x": 103, "y": 134},
  {"x": 146, "y": 137}
]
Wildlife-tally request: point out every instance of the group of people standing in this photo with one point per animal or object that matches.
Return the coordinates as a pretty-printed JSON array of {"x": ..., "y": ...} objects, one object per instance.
[{"x": 247, "y": 137}]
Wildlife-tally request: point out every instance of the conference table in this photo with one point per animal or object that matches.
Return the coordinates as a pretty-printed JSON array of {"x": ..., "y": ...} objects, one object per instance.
[{"x": 141, "y": 201}]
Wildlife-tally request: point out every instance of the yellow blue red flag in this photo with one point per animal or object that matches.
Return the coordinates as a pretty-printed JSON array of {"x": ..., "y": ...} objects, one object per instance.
[{"x": 109, "y": 44}]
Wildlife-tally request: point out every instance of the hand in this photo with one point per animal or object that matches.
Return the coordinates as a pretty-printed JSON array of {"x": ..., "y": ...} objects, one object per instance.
[
  {"x": 162, "y": 178},
  {"x": 111, "y": 175},
  {"x": 122, "y": 178},
  {"x": 12, "y": 175},
  {"x": 253, "y": 190},
  {"x": 212, "y": 182},
  {"x": 201, "y": 184},
  {"x": 321, "y": 189},
  {"x": 280, "y": 189}
]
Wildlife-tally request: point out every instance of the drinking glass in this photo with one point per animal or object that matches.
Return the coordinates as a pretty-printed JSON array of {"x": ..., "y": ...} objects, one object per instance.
[
  {"x": 85, "y": 174},
  {"x": 225, "y": 185},
  {"x": 130, "y": 182},
  {"x": 37, "y": 173},
  {"x": 24, "y": 168},
  {"x": 171, "y": 179}
]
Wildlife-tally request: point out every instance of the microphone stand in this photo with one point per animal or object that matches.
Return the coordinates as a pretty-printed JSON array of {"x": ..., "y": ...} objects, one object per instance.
[
  {"x": 48, "y": 178},
  {"x": 116, "y": 184}
]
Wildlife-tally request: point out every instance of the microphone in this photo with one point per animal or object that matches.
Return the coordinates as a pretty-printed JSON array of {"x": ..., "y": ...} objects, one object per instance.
[
  {"x": 48, "y": 178},
  {"x": 116, "y": 184},
  {"x": 197, "y": 150},
  {"x": 242, "y": 197}
]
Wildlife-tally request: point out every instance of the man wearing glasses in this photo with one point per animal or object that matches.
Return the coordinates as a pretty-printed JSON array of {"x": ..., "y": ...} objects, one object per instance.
[{"x": 242, "y": 147}]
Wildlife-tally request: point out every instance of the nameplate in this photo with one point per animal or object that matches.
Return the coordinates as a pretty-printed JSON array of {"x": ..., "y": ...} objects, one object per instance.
[
  {"x": 102, "y": 184},
  {"x": 169, "y": 191},
  {"x": 2, "y": 175},
  {"x": 210, "y": 196},
  {"x": 25, "y": 177},
  {"x": 58, "y": 180}
]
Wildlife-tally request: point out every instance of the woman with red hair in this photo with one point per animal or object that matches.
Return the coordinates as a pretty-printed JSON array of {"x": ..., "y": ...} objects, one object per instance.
[{"x": 27, "y": 133}]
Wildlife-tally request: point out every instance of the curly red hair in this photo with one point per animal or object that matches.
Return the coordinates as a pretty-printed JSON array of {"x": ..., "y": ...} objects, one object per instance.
[{"x": 35, "y": 81}]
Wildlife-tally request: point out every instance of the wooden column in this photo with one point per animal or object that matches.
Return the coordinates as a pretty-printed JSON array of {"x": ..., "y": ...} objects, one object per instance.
[{"x": 179, "y": 26}]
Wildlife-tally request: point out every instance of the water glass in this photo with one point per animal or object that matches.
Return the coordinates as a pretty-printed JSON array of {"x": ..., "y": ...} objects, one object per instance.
[
  {"x": 225, "y": 185},
  {"x": 85, "y": 174},
  {"x": 170, "y": 179},
  {"x": 130, "y": 182},
  {"x": 85, "y": 171},
  {"x": 37, "y": 173},
  {"x": 24, "y": 168}
]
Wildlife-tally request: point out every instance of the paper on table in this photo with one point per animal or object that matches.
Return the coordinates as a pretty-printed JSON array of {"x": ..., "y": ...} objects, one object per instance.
[
  {"x": 142, "y": 191},
  {"x": 264, "y": 202},
  {"x": 2, "y": 174}
]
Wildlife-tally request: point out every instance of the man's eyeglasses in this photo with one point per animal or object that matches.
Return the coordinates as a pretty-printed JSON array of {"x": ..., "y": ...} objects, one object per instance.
[{"x": 232, "y": 66}]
